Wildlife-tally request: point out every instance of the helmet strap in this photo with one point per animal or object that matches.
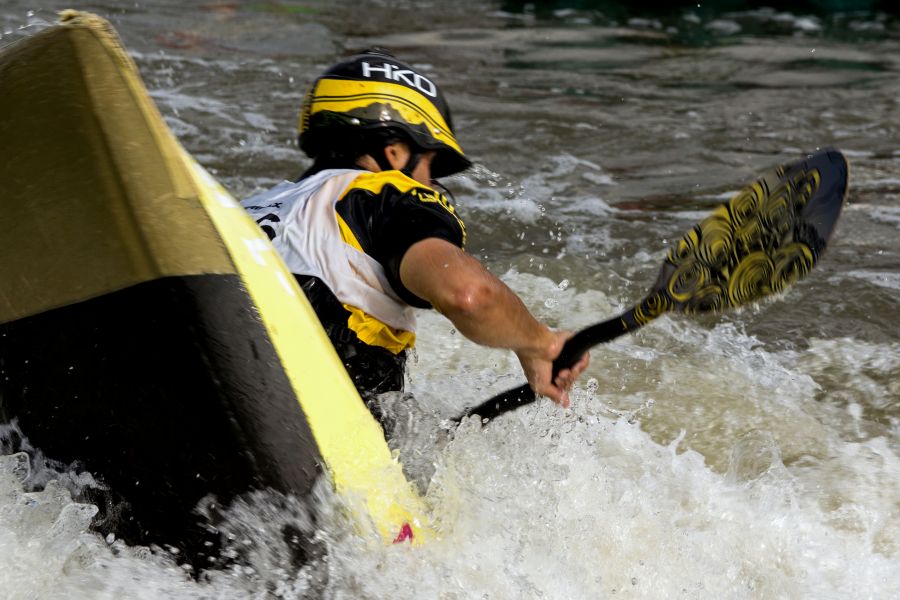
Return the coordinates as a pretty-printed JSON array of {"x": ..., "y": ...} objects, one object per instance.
[{"x": 412, "y": 163}]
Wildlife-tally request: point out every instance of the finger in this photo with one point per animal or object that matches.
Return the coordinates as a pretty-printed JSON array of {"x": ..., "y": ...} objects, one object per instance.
[
  {"x": 579, "y": 367},
  {"x": 564, "y": 384},
  {"x": 585, "y": 361},
  {"x": 557, "y": 394},
  {"x": 568, "y": 378}
]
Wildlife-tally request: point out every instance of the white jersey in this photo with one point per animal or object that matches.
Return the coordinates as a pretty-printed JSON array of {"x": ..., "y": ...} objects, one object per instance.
[{"x": 301, "y": 220}]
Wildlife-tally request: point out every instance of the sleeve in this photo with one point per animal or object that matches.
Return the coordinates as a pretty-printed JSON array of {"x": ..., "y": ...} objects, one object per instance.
[{"x": 408, "y": 218}]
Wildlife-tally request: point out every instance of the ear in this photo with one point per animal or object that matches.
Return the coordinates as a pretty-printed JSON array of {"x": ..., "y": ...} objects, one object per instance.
[{"x": 397, "y": 154}]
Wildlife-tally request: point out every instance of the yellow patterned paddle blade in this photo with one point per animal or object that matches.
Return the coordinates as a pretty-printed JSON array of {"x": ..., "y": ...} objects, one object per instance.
[{"x": 764, "y": 239}]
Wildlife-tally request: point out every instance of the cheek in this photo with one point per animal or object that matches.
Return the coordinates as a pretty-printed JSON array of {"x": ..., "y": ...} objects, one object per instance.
[
  {"x": 422, "y": 175},
  {"x": 422, "y": 172}
]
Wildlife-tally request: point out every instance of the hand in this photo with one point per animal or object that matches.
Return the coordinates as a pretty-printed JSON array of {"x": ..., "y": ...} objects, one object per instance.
[{"x": 538, "y": 366}]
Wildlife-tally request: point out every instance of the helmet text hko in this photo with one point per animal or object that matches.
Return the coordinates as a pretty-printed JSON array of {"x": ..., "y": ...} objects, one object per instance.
[{"x": 405, "y": 76}]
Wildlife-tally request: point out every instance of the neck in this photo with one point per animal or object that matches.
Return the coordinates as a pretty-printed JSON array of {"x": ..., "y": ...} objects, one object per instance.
[{"x": 368, "y": 163}]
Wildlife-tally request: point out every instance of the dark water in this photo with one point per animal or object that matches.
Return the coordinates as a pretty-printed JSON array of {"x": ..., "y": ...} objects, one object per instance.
[{"x": 751, "y": 455}]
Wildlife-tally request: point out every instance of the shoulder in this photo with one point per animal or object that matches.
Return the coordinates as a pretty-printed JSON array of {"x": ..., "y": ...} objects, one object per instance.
[
  {"x": 387, "y": 181},
  {"x": 394, "y": 186}
]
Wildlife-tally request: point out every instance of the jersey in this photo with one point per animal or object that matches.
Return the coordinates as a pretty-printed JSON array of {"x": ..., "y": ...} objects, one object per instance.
[{"x": 348, "y": 230}]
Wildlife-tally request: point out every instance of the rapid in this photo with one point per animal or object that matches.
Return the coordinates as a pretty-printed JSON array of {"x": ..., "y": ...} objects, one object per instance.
[{"x": 749, "y": 455}]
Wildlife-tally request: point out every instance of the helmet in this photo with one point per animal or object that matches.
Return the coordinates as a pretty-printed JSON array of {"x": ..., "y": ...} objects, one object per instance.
[{"x": 374, "y": 93}]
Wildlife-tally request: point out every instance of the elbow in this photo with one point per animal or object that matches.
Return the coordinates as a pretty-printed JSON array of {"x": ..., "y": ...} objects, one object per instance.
[{"x": 469, "y": 300}]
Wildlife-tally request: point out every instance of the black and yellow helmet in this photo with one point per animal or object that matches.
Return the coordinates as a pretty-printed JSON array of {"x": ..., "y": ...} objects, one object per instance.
[{"x": 374, "y": 93}]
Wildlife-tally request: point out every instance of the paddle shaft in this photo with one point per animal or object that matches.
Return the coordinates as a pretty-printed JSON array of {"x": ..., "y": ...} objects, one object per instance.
[{"x": 573, "y": 350}]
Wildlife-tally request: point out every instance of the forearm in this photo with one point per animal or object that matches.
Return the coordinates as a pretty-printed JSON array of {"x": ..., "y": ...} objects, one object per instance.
[
  {"x": 487, "y": 312},
  {"x": 494, "y": 316}
]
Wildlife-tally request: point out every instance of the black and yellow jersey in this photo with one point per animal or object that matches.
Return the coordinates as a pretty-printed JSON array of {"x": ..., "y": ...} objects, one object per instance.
[
  {"x": 384, "y": 214},
  {"x": 350, "y": 229}
]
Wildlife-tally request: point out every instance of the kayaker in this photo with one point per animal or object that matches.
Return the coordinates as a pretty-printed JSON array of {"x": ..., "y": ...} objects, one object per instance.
[{"x": 369, "y": 238}]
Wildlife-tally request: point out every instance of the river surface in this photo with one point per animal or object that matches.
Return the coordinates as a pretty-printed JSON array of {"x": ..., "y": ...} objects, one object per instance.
[{"x": 754, "y": 454}]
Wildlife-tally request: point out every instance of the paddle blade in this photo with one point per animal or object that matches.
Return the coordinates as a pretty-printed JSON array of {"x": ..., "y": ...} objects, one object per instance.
[{"x": 765, "y": 238}]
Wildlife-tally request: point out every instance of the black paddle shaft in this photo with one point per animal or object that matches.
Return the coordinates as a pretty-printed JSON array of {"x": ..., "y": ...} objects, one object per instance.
[
  {"x": 573, "y": 350},
  {"x": 765, "y": 238}
]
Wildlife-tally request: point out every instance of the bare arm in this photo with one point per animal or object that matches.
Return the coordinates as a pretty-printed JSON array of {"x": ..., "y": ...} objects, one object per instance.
[{"x": 487, "y": 312}]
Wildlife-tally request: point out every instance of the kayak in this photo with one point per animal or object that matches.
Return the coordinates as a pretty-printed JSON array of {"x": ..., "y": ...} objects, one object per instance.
[{"x": 150, "y": 333}]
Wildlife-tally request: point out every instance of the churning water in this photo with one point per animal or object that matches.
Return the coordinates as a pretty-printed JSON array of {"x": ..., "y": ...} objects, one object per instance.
[{"x": 751, "y": 455}]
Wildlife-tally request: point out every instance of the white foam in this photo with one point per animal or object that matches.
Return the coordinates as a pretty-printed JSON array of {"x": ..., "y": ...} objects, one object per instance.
[
  {"x": 883, "y": 279},
  {"x": 259, "y": 121},
  {"x": 177, "y": 99},
  {"x": 560, "y": 505},
  {"x": 531, "y": 198},
  {"x": 698, "y": 463},
  {"x": 886, "y": 214}
]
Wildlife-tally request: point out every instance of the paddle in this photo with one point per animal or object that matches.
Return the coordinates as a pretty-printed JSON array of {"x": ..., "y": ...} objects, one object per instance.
[{"x": 764, "y": 239}]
